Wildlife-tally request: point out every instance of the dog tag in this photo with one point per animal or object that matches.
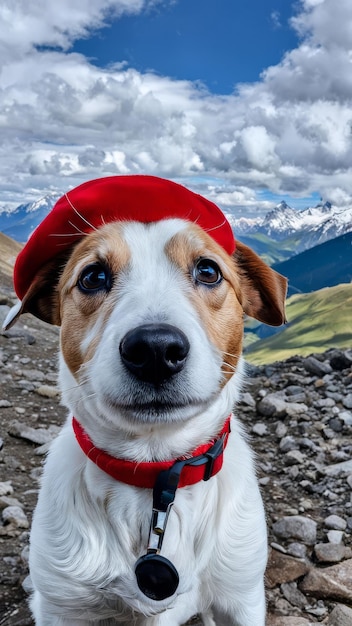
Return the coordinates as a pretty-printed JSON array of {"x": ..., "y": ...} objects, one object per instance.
[{"x": 156, "y": 576}]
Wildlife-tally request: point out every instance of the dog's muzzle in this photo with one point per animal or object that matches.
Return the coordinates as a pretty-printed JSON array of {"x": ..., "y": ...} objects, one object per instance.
[{"x": 154, "y": 352}]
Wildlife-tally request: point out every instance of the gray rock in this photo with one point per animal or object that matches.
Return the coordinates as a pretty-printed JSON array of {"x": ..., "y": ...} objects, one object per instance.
[
  {"x": 6, "y": 488},
  {"x": 329, "y": 552},
  {"x": 318, "y": 368},
  {"x": 341, "y": 615},
  {"x": 335, "y": 536},
  {"x": 294, "y": 457},
  {"x": 272, "y": 404},
  {"x": 5, "y": 404},
  {"x": 338, "y": 468},
  {"x": 260, "y": 429},
  {"x": 340, "y": 360},
  {"x": 347, "y": 401},
  {"x": 48, "y": 391},
  {"x": 9, "y": 501},
  {"x": 33, "y": 374},
  {"x": 296, "y": 408},
  {"x": 288, "y": 443},
  {"x": 247, "y": 399},
  {"x": 346, "y": 417},
  {"x": 336, "y": 424},
  {"x": 296, "y": 527},
  {"x": 294, "y": 595},
  {"x": 15, "y": 515},
  {"x": 35, "y": 435},
  {"x": 335, "y": 522},
  {"x": 296, "y": 549},
  {"x": 281, "y": 430}
]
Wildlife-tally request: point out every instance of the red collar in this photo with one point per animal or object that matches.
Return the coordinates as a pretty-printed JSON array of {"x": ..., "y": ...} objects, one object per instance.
[{"x": 210, "y": 456}]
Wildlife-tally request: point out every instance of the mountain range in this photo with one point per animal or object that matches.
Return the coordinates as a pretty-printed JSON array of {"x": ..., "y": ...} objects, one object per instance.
[
  {"x": 20, "y": 222},
  {"x": 280, "y": 234},
  {"x": 284, "y": 232},
  {"x": 325, "y": 265}
]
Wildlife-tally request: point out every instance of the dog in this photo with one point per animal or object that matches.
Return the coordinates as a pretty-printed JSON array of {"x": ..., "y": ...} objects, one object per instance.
[{"x": 149, "y": 510}]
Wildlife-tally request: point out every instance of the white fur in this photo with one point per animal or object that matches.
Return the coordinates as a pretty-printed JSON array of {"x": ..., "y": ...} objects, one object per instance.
[{"x": 89, "y": 530}]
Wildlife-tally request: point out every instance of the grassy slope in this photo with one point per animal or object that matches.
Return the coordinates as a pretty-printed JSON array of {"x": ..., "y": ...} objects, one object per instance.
[
  {"x": 9, "y": 249},
  {"x": 316, "y": 322},
  {"x": 271, "y": 251}
]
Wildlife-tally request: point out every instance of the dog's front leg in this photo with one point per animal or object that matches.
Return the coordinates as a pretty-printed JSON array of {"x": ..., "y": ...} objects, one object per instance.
[
  {"x": 249, "y": 613},
  {"x": 45, "y": 614}
]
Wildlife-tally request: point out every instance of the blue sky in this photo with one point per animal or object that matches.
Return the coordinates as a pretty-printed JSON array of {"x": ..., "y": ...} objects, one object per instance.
[
  {"x": 218, "y": 42},
  {"x": 247, "y": 102}
]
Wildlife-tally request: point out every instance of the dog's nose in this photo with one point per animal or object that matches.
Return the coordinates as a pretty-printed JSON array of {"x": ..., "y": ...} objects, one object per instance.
[{"x": 154, "y": 352}]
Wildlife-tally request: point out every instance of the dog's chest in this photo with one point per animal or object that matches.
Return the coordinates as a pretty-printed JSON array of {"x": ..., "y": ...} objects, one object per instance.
[{"x": 103, "y": 527}]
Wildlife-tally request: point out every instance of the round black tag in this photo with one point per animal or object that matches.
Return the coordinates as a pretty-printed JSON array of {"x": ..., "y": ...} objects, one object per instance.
[{"x": 156, "y": 576}]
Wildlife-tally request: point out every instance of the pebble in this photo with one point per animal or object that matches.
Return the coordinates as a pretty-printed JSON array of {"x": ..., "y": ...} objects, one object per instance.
[
  {"x": 48, "y": 391},
  {"x": 294, "y": 457},
  {"x": 297, "y": 549},
  {"x": 281, "y": 430},
  {"x": 335, "y": 536},
  {"x": 260, "y": 429},
  {"x": 6, "y": 488},
  {"x": 288, "y": 443},
  {"x": 347, "y": 401},
  {"x": 15, "y": 515},
  {"x": 5, "y": 404}
]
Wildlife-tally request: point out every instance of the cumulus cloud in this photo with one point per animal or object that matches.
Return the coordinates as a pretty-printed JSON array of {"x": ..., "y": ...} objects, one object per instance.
[{"x": 64, "y": 120}]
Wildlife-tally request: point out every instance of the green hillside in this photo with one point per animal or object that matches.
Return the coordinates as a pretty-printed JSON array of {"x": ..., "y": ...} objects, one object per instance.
[
  {"x": 325, "y": 265},
  {"x": 271, "y": 251},
  {"x": 316, "y": 321}
]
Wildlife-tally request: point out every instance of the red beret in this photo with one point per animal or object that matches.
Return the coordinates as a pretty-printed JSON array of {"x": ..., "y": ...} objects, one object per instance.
[{"x": 115, "y": 198}]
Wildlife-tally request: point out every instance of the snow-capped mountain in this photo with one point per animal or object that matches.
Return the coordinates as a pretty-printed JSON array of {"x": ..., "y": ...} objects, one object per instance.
[
  {"x": 20, "y": 223},
  {"x": 299, "y": 229},
  {"x": 310, "y": 227}
]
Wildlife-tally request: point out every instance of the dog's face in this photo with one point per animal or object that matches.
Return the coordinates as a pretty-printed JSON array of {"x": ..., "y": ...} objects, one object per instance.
[{"x": 151, "y": 319}]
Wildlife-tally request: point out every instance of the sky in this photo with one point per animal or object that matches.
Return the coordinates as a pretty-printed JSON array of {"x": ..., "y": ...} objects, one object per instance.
[{"x": 247, "y": 102}]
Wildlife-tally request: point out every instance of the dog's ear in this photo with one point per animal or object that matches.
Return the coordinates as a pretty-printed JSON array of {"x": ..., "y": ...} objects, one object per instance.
[
  {"x": 263, "y": 289},
  {"x": 41, "y": 299}
]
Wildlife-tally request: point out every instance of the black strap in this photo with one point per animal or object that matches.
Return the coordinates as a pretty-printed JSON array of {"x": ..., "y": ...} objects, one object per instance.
[{"x": 165, "y": 488}]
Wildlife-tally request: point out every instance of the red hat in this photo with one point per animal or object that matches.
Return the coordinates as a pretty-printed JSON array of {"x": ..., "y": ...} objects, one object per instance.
[{"x": 115, "y": 198}]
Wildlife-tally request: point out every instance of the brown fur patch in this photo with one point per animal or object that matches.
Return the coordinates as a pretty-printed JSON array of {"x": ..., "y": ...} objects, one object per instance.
[
  {"x": 219, "y": 307},
  {"x": 81, "y": 312}
]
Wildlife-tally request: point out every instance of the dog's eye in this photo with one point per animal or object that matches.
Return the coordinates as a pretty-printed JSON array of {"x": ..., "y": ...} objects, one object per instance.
[
  {"x": 94, "y": 277},
  {"x": 207, "y": 272}
]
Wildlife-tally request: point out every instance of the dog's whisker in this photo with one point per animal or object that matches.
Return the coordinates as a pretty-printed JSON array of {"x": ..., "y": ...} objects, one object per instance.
[
  {"x": 79, "y": 214},
  {"x": 231, "y": 367},
  {"x": 79, "y": 234},
  {"x": 208, "y": 230},
  {"x": 233, "y": 356}
]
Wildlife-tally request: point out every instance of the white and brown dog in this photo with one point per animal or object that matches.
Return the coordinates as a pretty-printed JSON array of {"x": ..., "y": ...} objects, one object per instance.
[{"x": 149, "y": 510}]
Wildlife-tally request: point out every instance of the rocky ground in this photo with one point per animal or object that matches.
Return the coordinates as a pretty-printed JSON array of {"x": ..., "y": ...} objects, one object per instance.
[{"x": 299, "y": 416}]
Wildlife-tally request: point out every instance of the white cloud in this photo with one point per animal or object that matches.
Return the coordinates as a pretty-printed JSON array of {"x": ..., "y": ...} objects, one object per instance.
[{"x": 63, "y": 120}]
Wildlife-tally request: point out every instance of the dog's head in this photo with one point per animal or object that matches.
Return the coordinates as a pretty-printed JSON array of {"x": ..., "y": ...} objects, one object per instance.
[{"x": 151, "y": 310}]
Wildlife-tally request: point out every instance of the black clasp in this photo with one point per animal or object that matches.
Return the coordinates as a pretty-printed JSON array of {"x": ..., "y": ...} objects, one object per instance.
[
  {"x": 156, "y": 576},
  {"x": 212, "y": 455}
]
